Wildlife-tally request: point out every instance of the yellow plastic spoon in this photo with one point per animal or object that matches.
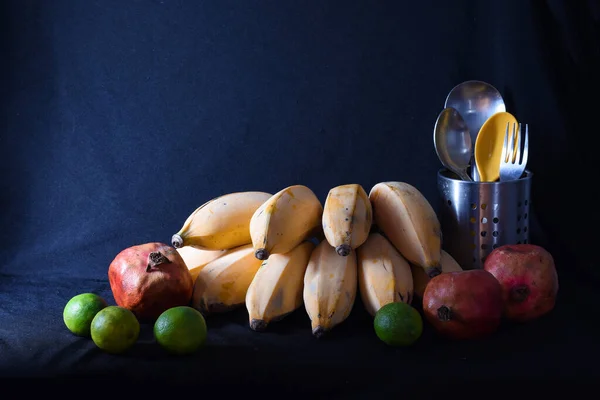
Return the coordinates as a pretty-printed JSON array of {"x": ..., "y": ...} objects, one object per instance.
[{"x": 488, "y": 145}]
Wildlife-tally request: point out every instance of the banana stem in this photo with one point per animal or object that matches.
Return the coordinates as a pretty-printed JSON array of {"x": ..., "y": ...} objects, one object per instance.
[
  {"x": 343, "y": 250},
  {"x": 319, "y": 332},
  {"x": 177, "y": 241},
  {"x": 258, "y": 325},
  {"x": 261, "y": 254},
  {"x": 155, "y": 259},
  {"x": 432, "y": 272}
]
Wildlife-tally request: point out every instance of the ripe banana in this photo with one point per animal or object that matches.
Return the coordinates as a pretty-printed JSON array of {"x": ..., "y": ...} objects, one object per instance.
[
  {"x": 221, "y": 223},
  {"x": 222, "y": 284},
  {"x": 421, "y": 279},
  {"x": 409, "y": 221},
  {"x": 195, "y": 259},
  {"x": 330, "y": 285},
  {"x": 384, "y": 275},
  {"x": 287, "y": 218},
  {"x": 276, "y": 289},
  {"x": 347, "y": 217}
]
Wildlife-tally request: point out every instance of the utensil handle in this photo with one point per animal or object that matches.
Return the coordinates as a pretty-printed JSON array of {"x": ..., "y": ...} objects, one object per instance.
[
  {"x": 474, "y": 171},
  {"x": 464, "y": 175}
]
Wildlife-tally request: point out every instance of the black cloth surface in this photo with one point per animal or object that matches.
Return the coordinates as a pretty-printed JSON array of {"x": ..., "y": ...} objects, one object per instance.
[{"x": 119, "y": 118}]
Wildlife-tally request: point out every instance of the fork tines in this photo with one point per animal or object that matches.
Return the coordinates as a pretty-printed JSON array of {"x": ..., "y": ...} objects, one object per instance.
[{"x": 512, "y": 164}]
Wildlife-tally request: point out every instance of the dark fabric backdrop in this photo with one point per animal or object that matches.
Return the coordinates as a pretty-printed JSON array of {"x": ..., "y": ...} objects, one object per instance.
[{"x": 120, "y": 117}]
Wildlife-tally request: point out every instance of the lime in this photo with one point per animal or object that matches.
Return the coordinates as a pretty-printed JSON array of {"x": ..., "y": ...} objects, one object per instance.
[
  {"x": 115, "y": 329},
  {"x": 398, "y": 324},
  {"x": 80, "y": 311},
  {"x": 180, "y": 330}
]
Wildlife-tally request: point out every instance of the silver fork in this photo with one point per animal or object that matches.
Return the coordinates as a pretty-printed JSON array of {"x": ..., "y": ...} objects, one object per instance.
[{"x": 509, "y": 169}]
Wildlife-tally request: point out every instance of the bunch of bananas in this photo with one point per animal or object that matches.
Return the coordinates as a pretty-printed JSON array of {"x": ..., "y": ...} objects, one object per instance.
[{"x": 275, "y": 253}]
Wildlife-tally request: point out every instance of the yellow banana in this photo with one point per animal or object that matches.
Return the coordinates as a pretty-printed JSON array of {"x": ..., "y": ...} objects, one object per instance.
[
  {"x": 410, "y": 223},
  {"x": 276, "y": 289},
  {"x": 221, "y": 223},
  {"x": 222, "y": 284},
  {"x": 421, "y": 279},
  {"x": 287, "y": 218},
  {"x": 384, "y": 275},
  {"x": 347, "y": 217},
  {"x": 195, "y": 259},
  {"x": 330, "y": 285}
]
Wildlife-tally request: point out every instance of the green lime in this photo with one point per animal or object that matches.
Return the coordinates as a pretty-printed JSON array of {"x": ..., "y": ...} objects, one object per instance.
[
  {"x": 115, "y": 329},
  {"x": 80, "y": 311},
  {"x": 398, "y": 324},
  {"x": 180, "y": 330}
]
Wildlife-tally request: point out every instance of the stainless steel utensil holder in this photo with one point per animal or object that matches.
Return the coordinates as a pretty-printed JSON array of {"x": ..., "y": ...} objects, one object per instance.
[{"x": 477, "y": 217}]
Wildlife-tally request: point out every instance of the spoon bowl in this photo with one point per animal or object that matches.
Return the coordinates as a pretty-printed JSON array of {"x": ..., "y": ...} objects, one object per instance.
[
  {"x": 488, "y": 147},
  {"x": 476, "y": 101},
  {"x": 452, "y": 142}
]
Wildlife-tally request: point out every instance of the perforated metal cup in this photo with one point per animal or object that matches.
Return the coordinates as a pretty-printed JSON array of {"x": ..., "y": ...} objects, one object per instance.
[{"x": 477, "y": 217}]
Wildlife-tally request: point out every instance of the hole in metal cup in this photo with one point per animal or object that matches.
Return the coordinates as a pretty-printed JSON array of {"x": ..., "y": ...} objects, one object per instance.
[{"x": 469, "y": 209}]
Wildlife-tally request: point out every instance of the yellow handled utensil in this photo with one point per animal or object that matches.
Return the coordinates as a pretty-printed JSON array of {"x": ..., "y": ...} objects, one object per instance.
[{"x": 488, "y": 146}]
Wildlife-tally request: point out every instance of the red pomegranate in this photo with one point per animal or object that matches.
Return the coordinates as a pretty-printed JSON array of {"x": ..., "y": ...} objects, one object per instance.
[
  {"x": 463, "y": 304},
  {"x": 528, "y": 278},
  {"x": 149, "y": 279}
]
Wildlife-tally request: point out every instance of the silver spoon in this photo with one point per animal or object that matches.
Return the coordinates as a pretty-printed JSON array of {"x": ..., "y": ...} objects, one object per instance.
[
  {"x": 475, "y": 101},
  {"x": 452, "y": 142}
]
